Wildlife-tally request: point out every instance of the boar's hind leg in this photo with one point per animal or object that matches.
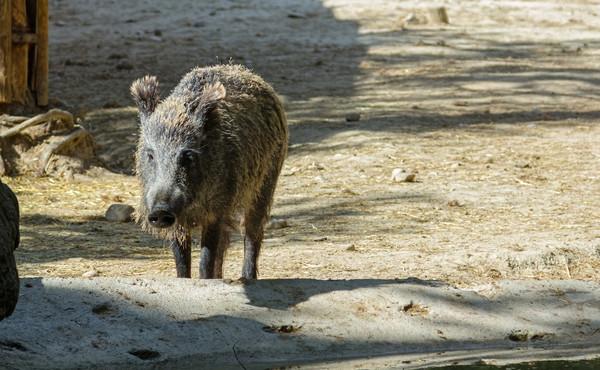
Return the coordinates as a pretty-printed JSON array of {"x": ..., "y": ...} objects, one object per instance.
[
  {"x": 182, "y": 250},
  {"x": 215, "y": 240},
  {"x": 252, "y": 243},
  {"x": 254, "y": 220}
]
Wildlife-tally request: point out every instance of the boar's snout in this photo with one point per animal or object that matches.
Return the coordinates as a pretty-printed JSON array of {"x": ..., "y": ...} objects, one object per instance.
[
  {"x": 161, "y": 218},
  {"x": 164, "y": 206}
]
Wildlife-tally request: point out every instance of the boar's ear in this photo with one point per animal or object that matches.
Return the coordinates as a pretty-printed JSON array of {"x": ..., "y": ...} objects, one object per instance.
[
  {"x": 201, "y": 107},
  {"x": 145, "y": 94}
]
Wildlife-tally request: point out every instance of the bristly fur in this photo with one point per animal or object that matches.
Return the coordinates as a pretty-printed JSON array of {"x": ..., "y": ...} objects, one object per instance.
[
  {"x": 146, "y": 94},
  {"x": 212, "y": 93},
  {"x": 238, "y": 123}
]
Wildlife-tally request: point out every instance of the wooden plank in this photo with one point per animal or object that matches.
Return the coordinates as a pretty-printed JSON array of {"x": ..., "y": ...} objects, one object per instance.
[
  {"x": 20, "y": 55},
  {"x": 5, "y": 51},
  {"x": 41, "y": 60}
]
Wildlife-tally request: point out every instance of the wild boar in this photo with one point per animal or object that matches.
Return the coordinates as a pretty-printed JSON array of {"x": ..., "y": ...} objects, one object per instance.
[{"x": 209, "y": 152}]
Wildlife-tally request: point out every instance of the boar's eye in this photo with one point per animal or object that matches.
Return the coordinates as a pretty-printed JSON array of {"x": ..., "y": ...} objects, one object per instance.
[
  {"x": 150, "y": 156},
  {"x": 187, "y": 157}
]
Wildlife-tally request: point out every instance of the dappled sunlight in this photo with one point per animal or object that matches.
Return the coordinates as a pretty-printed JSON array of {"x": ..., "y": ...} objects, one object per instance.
[
  {"x": 268, "y": 322},
  {"x": 439, "y": 203}
]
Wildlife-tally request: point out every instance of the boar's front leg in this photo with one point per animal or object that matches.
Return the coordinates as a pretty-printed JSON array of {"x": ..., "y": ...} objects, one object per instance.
[
  {"x": 182, "y": 250},
  {"x": 215, "y": 239}
]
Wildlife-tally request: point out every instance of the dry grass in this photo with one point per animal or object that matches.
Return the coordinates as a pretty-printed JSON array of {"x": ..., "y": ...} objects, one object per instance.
[
  {"x": 504, "y": 229},
  {"x": 499, "y": 125}
]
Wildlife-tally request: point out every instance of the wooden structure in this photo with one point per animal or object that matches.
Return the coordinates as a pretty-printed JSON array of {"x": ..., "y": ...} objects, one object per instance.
[{"x": 24, "y": 52}]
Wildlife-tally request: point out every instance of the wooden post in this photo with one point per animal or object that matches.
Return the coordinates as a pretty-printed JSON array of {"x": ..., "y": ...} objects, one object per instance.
[
  {"x": 41, "y": 58},
  {"x": 5, "y": 50},
  {"x": 20, "y": 55},
  {"x": 24, "y": 52}
]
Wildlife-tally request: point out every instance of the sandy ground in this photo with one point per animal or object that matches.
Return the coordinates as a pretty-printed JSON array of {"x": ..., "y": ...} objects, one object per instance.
[
  {"x": 496, "y": 113},
  {"x": 169, "y": 323}
]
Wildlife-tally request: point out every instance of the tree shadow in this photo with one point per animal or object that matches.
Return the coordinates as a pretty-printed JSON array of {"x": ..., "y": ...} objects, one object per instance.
[
  {"x": 423, "y": 80},
  {"x": 325, "y": 66},
  {"x": 148, "y": 323},
  {"x": 414, "y": 122},
  {"x": 283, "y": 294},
  {"x": 47, "y": 238},
  {"x": 288, "y": 44},
  {"x": 349, "y": 210}
]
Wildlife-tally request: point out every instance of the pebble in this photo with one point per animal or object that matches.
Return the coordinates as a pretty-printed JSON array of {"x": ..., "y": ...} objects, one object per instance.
[
  {"x": 411, "y": 177},
  {"x": 410, "y": 19},
  {"x": 111, "y": 104},
  {"x": 276, "y": 224},
  {"x": 338, "y": 156},
  {"x": 119, "y": 212},
  {"x": 124, "y": 66},
  {"x": 292, "y": 171},
  {"x": 400, "y": 175},
  {"x": 90, "y": 274},
  {"x": 349, "y": 191},
  {"x": 316, "y": 166},
  {"x": 353, "y": 117},
  {"x": 456, "y": 203},
  {"x": 117, "y": 56}
]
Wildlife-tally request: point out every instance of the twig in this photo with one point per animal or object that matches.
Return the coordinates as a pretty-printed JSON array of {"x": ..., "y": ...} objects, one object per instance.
[
  {"x": 567, "y": 266},
  {"x": 12, "y": 120},
  {"x": 237, "y": 358},
  {"x": 52, "y": 114},
  {"x": 523, "y": 182},
  {"x": 409, "y": 215}
]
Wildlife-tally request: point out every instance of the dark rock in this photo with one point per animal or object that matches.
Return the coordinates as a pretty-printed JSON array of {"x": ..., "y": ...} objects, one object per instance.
[{"x": 119, "y": 212}]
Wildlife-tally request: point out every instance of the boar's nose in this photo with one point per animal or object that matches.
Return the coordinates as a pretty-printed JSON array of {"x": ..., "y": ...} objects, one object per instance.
[{"x": 161, "y": 218}]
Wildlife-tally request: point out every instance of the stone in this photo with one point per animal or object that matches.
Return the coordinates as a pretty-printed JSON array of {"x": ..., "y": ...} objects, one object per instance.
[
  {"x": 316, "y": 166},
  {"x": 119, "y": 212},
  {"x": 350, "y": 248},
  {"x": 90, "y": 274},
  {"x": 456, "y": 203},
  {"x": 411, "y": 177},
  {"x": 401, "y": 175},
  {"x": 124, "y": 66},
  {"x": 276, "y": 224},
  {"x": 353, "y": 117}
]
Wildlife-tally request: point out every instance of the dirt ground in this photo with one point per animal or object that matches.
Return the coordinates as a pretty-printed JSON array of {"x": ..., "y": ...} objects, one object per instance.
[{"x": 496, "y": 112}]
